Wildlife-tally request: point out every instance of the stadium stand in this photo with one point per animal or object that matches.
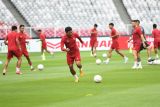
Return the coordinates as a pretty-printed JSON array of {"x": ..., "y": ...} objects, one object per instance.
[
  {"x": 147, "y": 11},
  {"x": 54, "y": 15},
  {"x": 78, "y": 14},
  {"x": 6, "y": 18}
]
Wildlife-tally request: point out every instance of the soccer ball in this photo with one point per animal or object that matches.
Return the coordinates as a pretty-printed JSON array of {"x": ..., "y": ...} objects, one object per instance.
[
  {"x": 40, "y": 67},
  {"x": 98, "y": 61},
  {"x": 97, "y": 78},
  {"x": 104, "y": 55}
]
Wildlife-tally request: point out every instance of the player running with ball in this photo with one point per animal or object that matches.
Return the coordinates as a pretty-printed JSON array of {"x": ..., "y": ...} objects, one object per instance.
[{"x": 72, "y": 50}]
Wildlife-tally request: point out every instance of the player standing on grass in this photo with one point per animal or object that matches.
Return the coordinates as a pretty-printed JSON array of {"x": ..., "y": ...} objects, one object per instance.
[
  {"x": 73, "y": 54},
  {"x": 93, "y": 40},
  {"x": 22, "y": 39},
  {"x": 43, "y": 44},
  {"x": 138, "y": 39},
  {"x": 115, "y": 45},
  {"x": 156, "y": 36},
  {"x": 148, "y": 48},
  {"x": 14, "y": 49}
]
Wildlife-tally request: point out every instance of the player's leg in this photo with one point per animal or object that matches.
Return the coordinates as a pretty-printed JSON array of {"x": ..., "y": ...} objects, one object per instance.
[
  {"x": 18, "y": 66},
  {"x": 91, "y": 44},
  {"x": 122, "y": 55},
  {"x": 79, "y": 65},
  {"x": 156, "y": 49},
  {"x": 42, "y": 54},
  {"x": 73, "y": 72},
  {"x": 6, "y": 66},
  {"x": 139, "y": 64},
  {"x": 135, "y": 55},
  {"x": 91, "y": 50},
  {"x": 78, "y": 62},
  {"x": 70, "y": 61},
  {"x": 94, "y": 50},
  {"x": 48, "y": 51},
  {"x": 9, "y": 56},
  {"x": 25, "y": 53},
  {"x": 18, "y": 55},
  {"x": 108, "y": 56},
  {"x": 149, "y": 49}
]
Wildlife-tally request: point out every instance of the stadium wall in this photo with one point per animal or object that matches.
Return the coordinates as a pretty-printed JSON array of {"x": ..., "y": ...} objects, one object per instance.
[{"x": 54, "y": 45}]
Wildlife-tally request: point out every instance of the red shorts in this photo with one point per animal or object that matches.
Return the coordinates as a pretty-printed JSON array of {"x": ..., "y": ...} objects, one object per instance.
[
  {"x": 25, "y": 52},
  {"x": 156, "y": 44},
  {"x": 44, "y": 46},
  {"x": 115, "y": 45},
  {"x": 72, "y": 58},
  {"x": 93, "y": 42},
  {"x": 16, "y": 53},
  {"x": 137, "y": 46}
]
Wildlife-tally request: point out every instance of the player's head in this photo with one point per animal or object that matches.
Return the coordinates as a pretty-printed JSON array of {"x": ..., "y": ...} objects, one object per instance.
[
  {"x": 39, "y": 31},
  {"x": 68, "y": 31},
  {"x": 134, "y": 23},
  {"x": 14, "y": 28},
  {"x": 21, "y": 28},
  {"x": 154, "y": 26},
  {"x": 95, "y": 25},
  {"x": 111, "y": 25},
  {"x": 138, "y": 22}
]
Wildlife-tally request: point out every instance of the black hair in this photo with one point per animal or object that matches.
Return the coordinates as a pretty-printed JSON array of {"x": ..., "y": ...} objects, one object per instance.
[
  {"x": 95, "y": 25},
  {"x": 67, "y": 29},
  {"x": 134, "y": 20},
  {"x": 111, "y": 24},
  {"x": 154, "y": 25},
  {"x": 138, "y": 21},
  {"x": 21, "y": 26},
  {"x": 39, "y": 30},
  {"x": 14, "y": 28}
]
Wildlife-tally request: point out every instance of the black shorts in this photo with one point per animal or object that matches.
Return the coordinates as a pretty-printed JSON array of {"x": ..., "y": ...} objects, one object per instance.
[{"x": 142, "y": 47}]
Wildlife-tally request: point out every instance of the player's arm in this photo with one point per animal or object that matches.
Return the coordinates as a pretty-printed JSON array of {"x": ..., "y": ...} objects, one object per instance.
[
  {"x": 142, "y": 38},
  {"x": 18, "y": 42},
  {"x": 130, "y": 39},
  {"x": 92, "y": 31},
  {"x": 5, "y": 40},
  {"x": 153, "y": 34},
  {"x": 116, "y": 34},
  {"x": 79, "y": 38},
  {"x": 62, "y": 46}
]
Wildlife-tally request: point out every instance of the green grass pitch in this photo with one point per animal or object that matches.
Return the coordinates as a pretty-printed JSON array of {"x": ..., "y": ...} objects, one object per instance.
[{"x": 55, "y": 87}]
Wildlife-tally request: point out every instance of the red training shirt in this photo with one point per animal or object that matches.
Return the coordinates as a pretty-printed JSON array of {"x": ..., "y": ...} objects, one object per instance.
[
  {"x": 94, "y": 33},
  {"x": 11, "y": 38},
  {"x": 113, "y": 33},
  {"x": 137, "y": 32},
  {"x": 70, "y": 42},
  {"x": 156, "y": 34}
]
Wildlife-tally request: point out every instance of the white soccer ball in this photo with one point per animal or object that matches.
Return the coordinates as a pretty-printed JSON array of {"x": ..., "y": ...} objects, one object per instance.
[
  {"x": 97, "y": 78},
  {"x": 104, "y": 55},
  {"x": 40, "y": 67},
  {"x": 98, "y": 61}
]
